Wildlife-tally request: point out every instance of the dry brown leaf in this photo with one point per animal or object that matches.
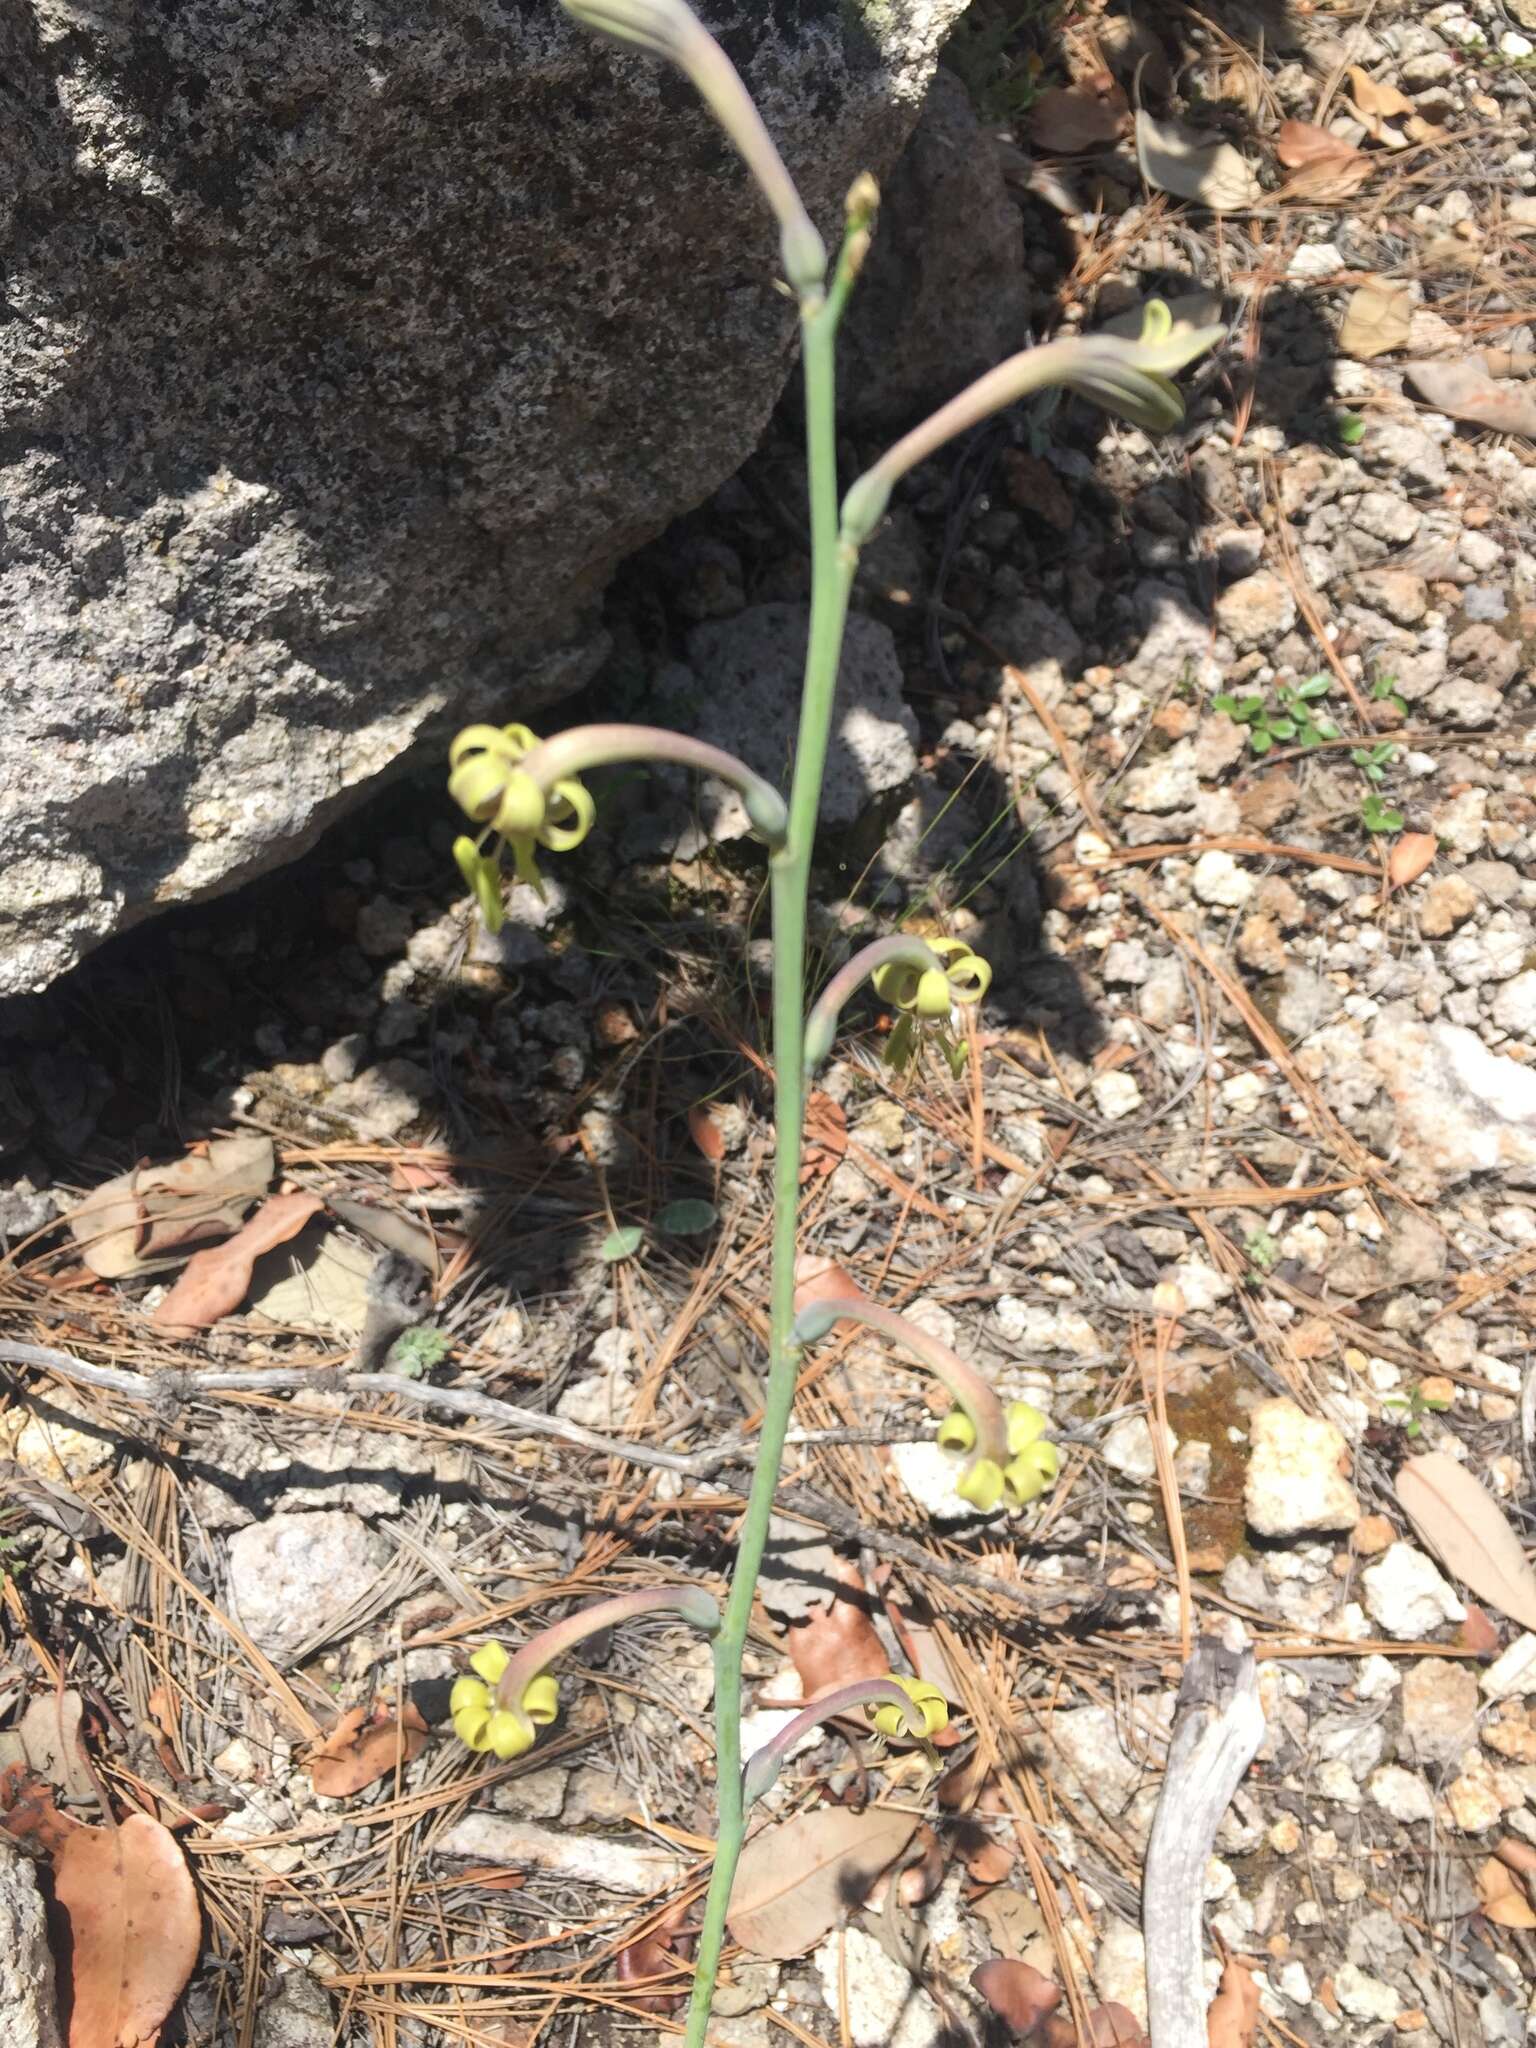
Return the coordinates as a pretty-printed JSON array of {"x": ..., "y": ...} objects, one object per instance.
[
  {"x": 1412, "y": 854},
  {"x": 654, "y": 1955},
  {"x": 1377, "y": 319},
  {"x": 1069, "y": 118},
  {"x": 826, "y": 1136},
  {"x": 1012, "y": 1919},
  {"x": 27, "y": 1811},
  {"x": 1020, "y": 1996},
  {"x": 1467, "y": 392},
  {"x": 1460, "y": 1520},
  {"x": 1503, "y": 1897},
  {"x": 1174, "y": 160},
  {"x": 362, "y": 1748},
  {"x": 216, "y": 1280},
  {"x": 1303, "y": 142},
  {"x": 1109, "y": 2026},
  {"x": 1234, "y": 2014},
  {"x": 1375, "y": 100},
  {"x": 987, "y": 1861},
  {"x": 50, "y": 1735},
  {"x": 144, "y": 1218},
  {"x": 837, "y": 1642},
  {"x": 134, "y": 1930},
  {"x": 705, "y": 1132},
  {"x": 1323, "y": 166},
  {"x": 797, "y": 1879}
]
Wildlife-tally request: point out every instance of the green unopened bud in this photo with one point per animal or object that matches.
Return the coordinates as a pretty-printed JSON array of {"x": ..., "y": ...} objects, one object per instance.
[{"x": 863, "y": 201}]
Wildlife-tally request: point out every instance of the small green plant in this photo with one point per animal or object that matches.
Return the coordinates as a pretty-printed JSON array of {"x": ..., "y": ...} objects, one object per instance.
[
  {"x": 1384, "y": 691},
  {"x": 1411, "y": 1408},
  {"x": 1373, "y": 762},
  {"x": 1350, "y": 428},
  {"x": 1377, "y": 815},
  {"x": 1291, "y": 719},
  {"x": 415, "y": 1352},
  {"x": 521, "y": 793},
  {"x": 1263, "y": 1252}
]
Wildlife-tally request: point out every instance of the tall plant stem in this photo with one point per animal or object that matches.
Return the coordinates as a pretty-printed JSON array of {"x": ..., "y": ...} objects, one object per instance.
[{"x": 790, "y": 876}]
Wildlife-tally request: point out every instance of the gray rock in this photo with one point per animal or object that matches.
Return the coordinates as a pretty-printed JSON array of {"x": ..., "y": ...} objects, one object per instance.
[
  {"x": 383, "y": 1099},
  {"x": 346, "y": 357},
  {"x": 1440, "y": 1706},
  {"x": 25, "y": 1208},
  {"x": 297, "y": 2015},
  {"x": 744, "y": 681},
  {"x": 292, "y": 1577},
  {"x": 1461, "y": 1109},
  {"x": 943, "y": 295},
  {"x": 28, "y": 2015}
]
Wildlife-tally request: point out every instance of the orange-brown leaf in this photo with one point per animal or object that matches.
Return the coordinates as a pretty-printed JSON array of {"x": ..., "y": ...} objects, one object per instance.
[
  {"x": 1068, "y": 118},
  {"x": 653, "y": 1956},
  {"x": 1109, "y": 2026},
  {"x": 798, "y": 1878},
  {"x": 363, "y": 1748},
  {"x": 1234, "y": 2013},
  {"x": 988, "y": 1862},
  {"x": 1374, "y": 99},
  {"x": 1020, "y": 1995},
  {"x": 826, "y": 1136},
  {"x": 28, "y": 1813},
  {"x": 1303, "y": 142},
  {"x": 705, "y": 1132},
  {"x": 134, "y": 1930},
  {"x": 1503, "y": 1897},
  {"x": 215, "y": 1281},
  {"x": 1409, "y": 857},
  {"x": 837, "y": 1643}
]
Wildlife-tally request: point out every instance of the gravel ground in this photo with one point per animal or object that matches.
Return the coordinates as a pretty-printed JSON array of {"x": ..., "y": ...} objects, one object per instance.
[{"x": 1262, "y": 1032}]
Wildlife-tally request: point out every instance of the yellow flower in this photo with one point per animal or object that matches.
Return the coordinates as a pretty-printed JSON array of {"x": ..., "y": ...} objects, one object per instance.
[
  {"x": 487, "y": 783},
  {"x": 928, "y": 1700},
  {"x": 482, "y": 1722},
  {"x": 927, "y": 996}
]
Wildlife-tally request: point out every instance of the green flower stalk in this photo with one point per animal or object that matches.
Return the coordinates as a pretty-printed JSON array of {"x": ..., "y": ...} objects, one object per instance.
[
  {"x": 512, "y": 1696},
  {"x": 925, "y": 981},
  {"x": 1127, "y": 377},
  {"x": 894, "y": 1706},
  {"x": 1009, "y": 1462},
  {"x": 669, "y": 29}
]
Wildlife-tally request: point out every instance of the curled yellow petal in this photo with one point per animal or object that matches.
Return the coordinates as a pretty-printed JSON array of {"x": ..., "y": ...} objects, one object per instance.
[
  {"x": 896, "y": 983},
  {"x": 570, "y": 816},
  {"x": 969, "y": 978},
  {"x": 470, "y": 1724},
  {"x": 1026, "y": 1425},
  {"x": 490, "y": 1660},
  {"x": 469, "y": 1692},
  {"x": 981, "y": 1484},
  {"x": 523, "y": 808},
  {"x": 541, "y": 1699},
  {"x": 957, "y": 1432},
  {"x": 932, "y": 997},
  {"x": 476, "y": 785},
  {"x": 481, "y": 739},
  {"x": 1029, "y": 1474},
  {"x": 507, "y": 1734},
  {"x": 928, "y": 1700}
]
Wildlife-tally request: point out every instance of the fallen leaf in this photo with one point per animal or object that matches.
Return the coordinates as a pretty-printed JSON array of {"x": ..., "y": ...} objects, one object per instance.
[
  {"x": 50, "y": 1735},
  {"x": 826, "y": 1136},
  {"x": 654, "y": 1955},
  {"x": 796, "y": 1880},
  {"x": 387, "y": 1227},
  {"x": 837, "y": 1643},
  {"x": 987, "y": 1861},
  {"x": 1478, "y": 1634},
  {"x": 1020, "y": 1996},
  {"x": 1234, "y": 2011},
  {"x": 1467, "y": 392},
  {"x": 1456, "y": 1515},
  {"x": 1373, "y": 99},
  {"x": 924, "y": 1869},
  {"x": 1174, "y": 160},
  {"x": 1069, "y": 118},
  {"x": 134, "y": 1930},
  {"x": 1109, "y": 2026},
  {"x": 362, "y": 1748},
  {"x": 27, "y": 1811},
  {"x": 1376, "y": 320},
  {"x": 318, "y": 1282},
  {"x": 1013, "y": 1921},
  {"x": 1502, "y": 1897},
  {"x": 217, "y": 1280},
  {"x": 705, "y": 1132},
  {"x": 144, "y": 1218},
  {"x": 1322, "y": 166},
  {"x": 1303, "y": 142},
  {"x": 1412, "y": 854}
]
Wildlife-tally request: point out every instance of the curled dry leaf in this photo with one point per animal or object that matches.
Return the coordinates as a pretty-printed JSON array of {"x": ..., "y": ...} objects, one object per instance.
[
  {"x": 363, "y": 1747},
  {"x": 1109, "y": 2026},
  {"x": 1088, "y": 115},
  {"x": 653, "y": 1959},
  {"x": 705, "y": 1132},
  {"x": 145, "y": 1218},
  {"x": 1322, "y": 166},
  {"x": 1459, "y": 1519},
  {"x": 1174, "y": 160},
  {"x": 1378, "y": 319},
  {"x": 1467, "y": 391},
  {"x": 216, "y": 1280},
  {"x": 796, "y": 1879},
  {"x": 1020, "y": 1996},
  {"x": 27, "y": 1811},
  {"x": 1376, "y": 100},
  {"x": 1502, "y": 1897},
  {"x": 1412, "y": 854},
  {"x": 826, "y": 1136},
  {"x": 837, "y": 1642},
  {"x": 987, "y": 1861},
  {"x": 134, "y": 1930},
  {"x": 1234, "y": 2013}
]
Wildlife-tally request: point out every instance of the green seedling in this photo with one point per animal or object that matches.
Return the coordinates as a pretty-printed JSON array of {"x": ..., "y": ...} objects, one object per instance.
[
  {"x": 1350, "y": 428},
  {"x": 1373, "y": 762},
  {"x": 414, "y": 1353},
  {"x": 522, "y": 793},
  {"x": 1376, "y": 815},
  {"x": 1411, "y": 1408},
  {"x": 1293, "y": 719},
  {"x": 1384, "y": 691},
  {"x": 1263, "y": 1252}
]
